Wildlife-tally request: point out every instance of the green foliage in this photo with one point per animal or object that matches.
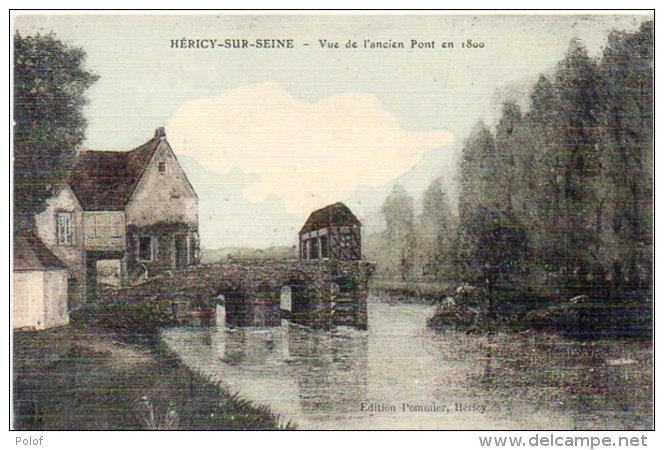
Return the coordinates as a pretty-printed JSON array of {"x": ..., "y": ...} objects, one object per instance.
[
  {"x": 400, "y": 234},
  {"x": 566, "y": 187},
  {"x": 434, "y": 233},
  {"x": 492, "y": 239},
  {"x": 49, "y": 83},
  {"x": 626, "y": 119}
]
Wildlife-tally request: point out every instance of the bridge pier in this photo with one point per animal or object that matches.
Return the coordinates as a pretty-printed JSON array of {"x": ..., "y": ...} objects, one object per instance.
[{"x": 330, "y": 293}]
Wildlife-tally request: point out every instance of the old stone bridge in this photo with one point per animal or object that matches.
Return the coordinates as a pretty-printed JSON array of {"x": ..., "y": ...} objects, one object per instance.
[{"x": 320, "y": 294}]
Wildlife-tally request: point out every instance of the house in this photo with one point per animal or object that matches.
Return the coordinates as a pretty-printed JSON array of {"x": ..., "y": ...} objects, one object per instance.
[
  {"x": 40, "y": 285},
  {"x": 60, "y": 226},
  {"x": 332, "y": 232},
  {"x": 134, "y": 212}
]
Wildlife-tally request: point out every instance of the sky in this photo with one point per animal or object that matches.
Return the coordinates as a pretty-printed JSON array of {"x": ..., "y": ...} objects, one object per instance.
[{"x": 269, "y": 135}]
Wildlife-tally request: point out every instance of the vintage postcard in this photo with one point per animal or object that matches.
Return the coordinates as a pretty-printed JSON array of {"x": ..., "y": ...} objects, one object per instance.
[{"x": 332, "y": 221}]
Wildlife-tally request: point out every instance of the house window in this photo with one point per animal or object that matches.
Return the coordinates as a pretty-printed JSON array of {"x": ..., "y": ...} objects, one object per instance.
[
  {"x": 323, "y": 247},
  {"x": 162, "y": 166},
  {"x": 145, "y": 248},
  {"x": 65, "y": 233},
  {"x": 164, "y": 247},
  {"x": 314, "y": 249},
  {"x": 117, "y": 227}
]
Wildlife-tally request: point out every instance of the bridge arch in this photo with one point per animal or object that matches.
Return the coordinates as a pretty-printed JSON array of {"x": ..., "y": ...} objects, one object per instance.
[
  {"x": 300, "y": 288},
  {"x": 251, "y": 293}
]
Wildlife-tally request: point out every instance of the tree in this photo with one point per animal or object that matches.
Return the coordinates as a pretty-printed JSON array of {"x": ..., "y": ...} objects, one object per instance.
[
  {"x": 486, "y": 177},
  {"x": 435, "y": 230},
  {"x": 400, "y": 233},
  {"x": 578, "y": 86},
  {"x": 626, "y": 117},
  {"x": 475, "y": 172},
  {"x": 541, "y": 152},
  {"x": 491, "y": 237},
  {"x": 557, "y": 192},
  {"x": 504, "y": 154},
  {"x": 567, "y": 186},
  {"x": 49, "y": 83}
]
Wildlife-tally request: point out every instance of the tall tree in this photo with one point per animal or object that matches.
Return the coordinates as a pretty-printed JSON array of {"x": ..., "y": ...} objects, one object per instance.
[
  {"x": 627, "y": 70},
  {"x": 577, "y": 86},
  {"x": 567, "y": 187},
  {"x": 477, "y": 175},
  {"x": 400, "y": 233},
  {"x": 492, "y": 240},
  {"x": 540, "y": 139},
  {"x": 505, "y": 154},
  {"x": 49, "y": 83},
  {"x": 434, "y": 230}
]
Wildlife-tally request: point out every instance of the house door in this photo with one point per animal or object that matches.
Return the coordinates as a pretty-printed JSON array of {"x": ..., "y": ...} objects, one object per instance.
[{"x": 181, "y": 252}]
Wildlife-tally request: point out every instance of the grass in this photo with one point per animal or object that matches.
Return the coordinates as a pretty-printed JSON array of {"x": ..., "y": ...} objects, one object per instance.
[{"x": 71, "y": 379}]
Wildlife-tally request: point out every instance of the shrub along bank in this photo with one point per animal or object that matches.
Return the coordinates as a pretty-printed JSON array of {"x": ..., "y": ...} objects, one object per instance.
[{"x": 473, "y": 309}]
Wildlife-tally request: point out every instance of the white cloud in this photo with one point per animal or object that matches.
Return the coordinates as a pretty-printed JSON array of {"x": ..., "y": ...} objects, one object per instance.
[{"x": 309, "y": 154}]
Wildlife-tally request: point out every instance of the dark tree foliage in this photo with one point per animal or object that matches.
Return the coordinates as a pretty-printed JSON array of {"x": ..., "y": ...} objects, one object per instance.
[
  {"x": 49, "y": 83},
  {"x": 492, "y": 238},
  {"x": 626, "y": 116},
  {"x": 577, "y": 86},
  {"x": 565, "y": 190}
]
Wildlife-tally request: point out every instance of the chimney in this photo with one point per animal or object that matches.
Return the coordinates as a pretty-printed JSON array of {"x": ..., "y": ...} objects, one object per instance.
[{"x": 160, "y": 133}]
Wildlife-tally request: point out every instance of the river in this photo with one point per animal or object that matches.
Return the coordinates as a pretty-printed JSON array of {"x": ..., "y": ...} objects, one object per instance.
[{"x": 401, "y": 375}]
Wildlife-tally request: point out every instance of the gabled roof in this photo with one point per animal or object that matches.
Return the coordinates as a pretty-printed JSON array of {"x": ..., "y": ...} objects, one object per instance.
[
  {"x": 105, "y": 180},
  {"x": 30, "y": 253},
  {"x": 336, "y": 214}
]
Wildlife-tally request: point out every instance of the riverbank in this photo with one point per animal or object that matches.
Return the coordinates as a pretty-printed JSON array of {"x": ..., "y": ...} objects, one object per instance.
[
  {"x": 72, "y": 378},
  {"x": 517, "y": 310}
]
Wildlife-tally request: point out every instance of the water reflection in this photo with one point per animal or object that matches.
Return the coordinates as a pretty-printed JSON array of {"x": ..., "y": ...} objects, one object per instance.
[
  {"x": 399, "y": 374},
  {"x": 330, "y": 369}
]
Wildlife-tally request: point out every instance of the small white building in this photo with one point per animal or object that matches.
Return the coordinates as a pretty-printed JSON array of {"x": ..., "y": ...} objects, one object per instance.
[{"x": 40, "y": 285}]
